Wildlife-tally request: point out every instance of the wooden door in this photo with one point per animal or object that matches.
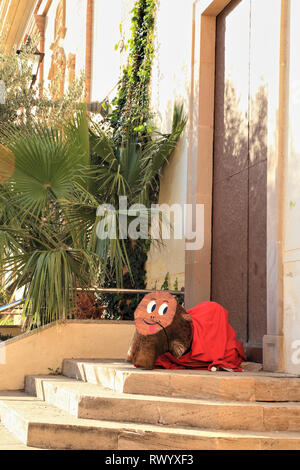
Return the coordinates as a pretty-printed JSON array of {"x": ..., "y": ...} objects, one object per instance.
[{"x": 239, "y": 181}]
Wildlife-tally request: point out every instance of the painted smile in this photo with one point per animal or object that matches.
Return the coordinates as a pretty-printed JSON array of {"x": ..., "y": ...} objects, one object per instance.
[{"x": 147, "y": 323}]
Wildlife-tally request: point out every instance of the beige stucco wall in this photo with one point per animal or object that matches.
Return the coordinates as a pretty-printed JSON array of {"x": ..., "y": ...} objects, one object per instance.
[
  {"x": 292, "y": 205},
  {"x": 171, "y": 78},
  {"x": 45, "y": 348}
]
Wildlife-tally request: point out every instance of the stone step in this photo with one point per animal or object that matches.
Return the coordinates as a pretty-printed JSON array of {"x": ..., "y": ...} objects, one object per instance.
[
  {"x": 39, "y": 424},
  {"x": 122, "y": 377},
  {"x": 90, "y": 401},
  {"x": 9, "y": 442}
]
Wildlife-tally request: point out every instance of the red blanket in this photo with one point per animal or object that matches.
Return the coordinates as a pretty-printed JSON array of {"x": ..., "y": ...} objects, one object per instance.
[{"x": 214, "y": 342}]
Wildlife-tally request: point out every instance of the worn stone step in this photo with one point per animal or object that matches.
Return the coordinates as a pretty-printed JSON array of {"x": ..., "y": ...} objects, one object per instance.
[
  {"x": 90, "y": 401},
  {"x": 122, "y": 377},
  {"x": 39, "y": 424}
]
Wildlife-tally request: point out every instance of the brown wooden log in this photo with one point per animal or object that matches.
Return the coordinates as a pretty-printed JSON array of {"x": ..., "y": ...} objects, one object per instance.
[{"x": 162, "y": 325}]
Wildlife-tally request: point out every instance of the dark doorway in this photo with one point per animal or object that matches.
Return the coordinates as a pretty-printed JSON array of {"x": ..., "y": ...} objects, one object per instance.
[{"x": 240, "y": 180}]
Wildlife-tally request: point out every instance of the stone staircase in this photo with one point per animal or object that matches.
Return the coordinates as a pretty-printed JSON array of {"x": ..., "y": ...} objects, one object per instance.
[{"x": 110, "y": 405}]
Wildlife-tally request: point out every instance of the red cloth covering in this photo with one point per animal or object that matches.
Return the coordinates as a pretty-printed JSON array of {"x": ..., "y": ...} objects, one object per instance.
[{"x": 214, "y": 342}]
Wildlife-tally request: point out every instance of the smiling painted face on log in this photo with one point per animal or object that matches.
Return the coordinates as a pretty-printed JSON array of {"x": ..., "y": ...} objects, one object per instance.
[{"x": 156, "y": 311}]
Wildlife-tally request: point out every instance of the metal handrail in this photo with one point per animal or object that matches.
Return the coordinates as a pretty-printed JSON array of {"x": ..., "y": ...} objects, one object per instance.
[
  {"x": 12, "y": 305},
  {"x": 100, "y": 290},
  {"x": 127, "y": 291}
]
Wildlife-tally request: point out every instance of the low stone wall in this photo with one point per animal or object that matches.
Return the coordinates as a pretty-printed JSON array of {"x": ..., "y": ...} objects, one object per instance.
[{"x": 45, "y": 348}]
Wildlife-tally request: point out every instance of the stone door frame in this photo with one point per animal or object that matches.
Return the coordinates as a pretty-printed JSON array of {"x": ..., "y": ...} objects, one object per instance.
[{"x": 200, "y": 173}]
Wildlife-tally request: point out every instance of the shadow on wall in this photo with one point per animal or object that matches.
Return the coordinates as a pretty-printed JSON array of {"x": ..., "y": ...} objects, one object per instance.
[
  {"x": 259, "y": 126},
  {"x": 241, "y": 141},
  {"x": 239, "y": 210}
]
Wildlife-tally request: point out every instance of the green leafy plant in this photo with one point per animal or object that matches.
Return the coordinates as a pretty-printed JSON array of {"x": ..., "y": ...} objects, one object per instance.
[
  {"x": 65, "y": 169},
  {"x": 3, "y": 296},
  {"x": 42, "y": 248},
  {"x": 166, "y": 286},
  {"x": 48, "y": 223},
  {"x": 24, "y": 104},
  {"x": 5, "y": 337},
  {"x": 57, "y": 371},
  {"x": 131, "y": 114},
  {"x": 130, "y": 170},
  {"x": 130, "y": 121},
  {"x": 7, "y": 321}
]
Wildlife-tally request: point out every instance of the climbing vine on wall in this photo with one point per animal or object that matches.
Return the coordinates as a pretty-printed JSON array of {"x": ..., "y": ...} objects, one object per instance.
[
  {"x": 130, "y": 118},
  {"x": 131, "y": 110}
]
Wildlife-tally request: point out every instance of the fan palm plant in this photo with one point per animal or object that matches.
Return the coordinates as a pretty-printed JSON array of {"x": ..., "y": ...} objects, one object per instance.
[
  {"x": 131, "y": 170},
  {"x": 48, "y": 224},
  {"x": 40, "y": 250}
]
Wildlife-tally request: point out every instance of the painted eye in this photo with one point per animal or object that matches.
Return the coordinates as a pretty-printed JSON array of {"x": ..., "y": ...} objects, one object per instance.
[
  {"x": 151, "y": 306},
  {"x": 163, "y": 309}
]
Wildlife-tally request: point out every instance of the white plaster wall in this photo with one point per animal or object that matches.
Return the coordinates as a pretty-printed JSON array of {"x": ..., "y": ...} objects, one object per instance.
[
  {"x": 49, "y": 38},
  {"x": 108, "y": 62},
  {"x": 75, "y": 39},
  {"x": 292, "y": 206},
  {"x": 171, "y": 79},
  {"x": 270, "y": 63}
]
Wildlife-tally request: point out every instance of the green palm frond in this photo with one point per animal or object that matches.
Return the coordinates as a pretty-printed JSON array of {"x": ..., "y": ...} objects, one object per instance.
[
  {"x": 41, "y": 248},
  {"x": 158, "y": 151},
  {"x": 45, "y": 168},
  {"x": 54, "y": 276},
  {"x": 102, "y": 145},
  {"x": 77, "y": 135},
  {"x": 131, "y": 170},
  {"x": 49, "y": 237}
]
